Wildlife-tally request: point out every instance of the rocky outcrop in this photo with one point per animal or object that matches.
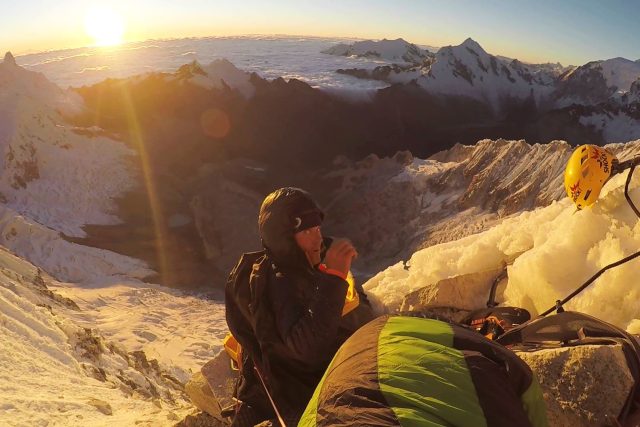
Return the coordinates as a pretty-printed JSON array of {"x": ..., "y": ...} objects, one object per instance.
[
  {"x": 21, "y": 165},
  {"x": 9, "y": 59},
  {"x": 585, "y": 385},
  {"x": 512, "y": 176},
  {"x": 584, "y": 84},
  {"x": 211, "y": 390},
  {"x": 386, "y": 73},
  {"x": 201, "y": 396},
  {"x": 465, "y": 292}
]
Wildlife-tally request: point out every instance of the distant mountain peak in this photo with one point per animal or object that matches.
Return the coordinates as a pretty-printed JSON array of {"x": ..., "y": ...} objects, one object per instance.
[
  {"x": 189, "y": 70},
  {"x": 398, "y": 50},
  {"x": 9, "y": 59},
  {"x": 471, "y": 43}
]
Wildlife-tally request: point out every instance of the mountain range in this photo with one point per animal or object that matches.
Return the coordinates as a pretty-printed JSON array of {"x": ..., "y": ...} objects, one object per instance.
[
  {"x": 600, "y": 96},
  {"x": 158, "y": 178},
  {"x": 216, "y": 139}
]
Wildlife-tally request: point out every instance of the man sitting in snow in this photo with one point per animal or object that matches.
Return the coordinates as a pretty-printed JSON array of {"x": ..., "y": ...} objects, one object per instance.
[{"x": 290, "y": 306}]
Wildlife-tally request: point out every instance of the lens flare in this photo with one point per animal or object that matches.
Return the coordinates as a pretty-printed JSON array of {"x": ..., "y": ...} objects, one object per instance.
[
  {"x": 159, "y": 222},
  {"x": 215, "y": 123}
]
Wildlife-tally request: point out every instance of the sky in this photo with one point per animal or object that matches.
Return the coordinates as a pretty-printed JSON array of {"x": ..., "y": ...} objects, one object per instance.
[{"x": 571, "y": 32}]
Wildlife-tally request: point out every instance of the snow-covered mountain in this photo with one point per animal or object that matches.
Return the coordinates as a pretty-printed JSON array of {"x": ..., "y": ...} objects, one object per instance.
[
  {"x": 397, "y": 50},
  {"x": 217, "y": 74},
  {"x": 597, "y": 82},
  {"x": 82, "y": 340},
  {"x": 599, "y": 96},
  {"x": 468, "y": 70},
  {"x": 52, "y": 179}
]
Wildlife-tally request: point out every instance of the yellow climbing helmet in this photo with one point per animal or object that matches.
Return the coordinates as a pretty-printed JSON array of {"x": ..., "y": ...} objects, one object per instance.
[{"x": 588, "y": 169}]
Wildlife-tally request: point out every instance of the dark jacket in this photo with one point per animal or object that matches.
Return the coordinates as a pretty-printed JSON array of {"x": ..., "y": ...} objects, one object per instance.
[{"x": 286, "y": 314}]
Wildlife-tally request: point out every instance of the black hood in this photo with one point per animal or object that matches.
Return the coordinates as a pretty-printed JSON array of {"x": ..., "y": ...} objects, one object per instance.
[{"x": 277, "y": 223}]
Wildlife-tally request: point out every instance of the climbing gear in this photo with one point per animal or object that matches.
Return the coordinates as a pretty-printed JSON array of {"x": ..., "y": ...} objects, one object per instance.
[
  {"x": 587, "y": 171},
  {"x": 495, "y": 320},
  {"x": 234, "y": 351}
]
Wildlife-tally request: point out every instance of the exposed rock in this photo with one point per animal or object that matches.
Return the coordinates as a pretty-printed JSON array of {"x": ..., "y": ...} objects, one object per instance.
[
  {"x": 9, "y": 59},
  {"x": 375, "y": 210},
  {"x": 501, "y": 178},
  {"x": 201, "y": 419},
  {"x": 23, "y": 163},
  {"x": 585, "y": 84},
  {"x": 221, "y": 379},
  {"x": 385, "y": 73},
  {"x": 201, "y": 395},
  {"x": 101, "y": 406},
  {"x": 404, "y": 157},
  {"x": 89, "y": 344},
  {"x": 142, "y": 364},
  {"x": 211, "y": 391},
  {"x": 464, "y": 292},
  {"x": 189, "y": 70},
  {"x": 98, "y": 373},
  {"x": 582, "y": 386}
]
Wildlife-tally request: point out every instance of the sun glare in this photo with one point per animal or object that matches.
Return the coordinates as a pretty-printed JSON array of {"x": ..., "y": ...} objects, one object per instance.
[{"x": 105, "y": 26}]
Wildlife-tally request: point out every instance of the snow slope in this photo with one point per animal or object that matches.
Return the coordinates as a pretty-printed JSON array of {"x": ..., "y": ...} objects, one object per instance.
[
  {"x": 561, "y": 248},
  {"x": 57, "y": 367},
  {"x": 98, "y": 347},
  {"x": 182, "y": 331},
  {"x": 49, "y": 169},
  {"x": 52, "y": 180}
]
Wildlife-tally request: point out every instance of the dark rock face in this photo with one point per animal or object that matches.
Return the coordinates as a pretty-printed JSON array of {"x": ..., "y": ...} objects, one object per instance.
[
  {"x": 586, "y": 83},
  {"x": 9, "y": 59},
  {"x": 381, "y": 73},
  {"x": 23, "y": 164},
  {"x": 190, "y": 70}
]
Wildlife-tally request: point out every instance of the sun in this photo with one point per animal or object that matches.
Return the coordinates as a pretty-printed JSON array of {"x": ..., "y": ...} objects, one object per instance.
[{"x": 104, "y": 25}]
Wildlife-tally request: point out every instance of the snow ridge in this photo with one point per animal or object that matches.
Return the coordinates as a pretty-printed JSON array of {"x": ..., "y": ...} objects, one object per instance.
[
  {"x": 468, "y": 70},
  {"x": 398, "y": 51}
]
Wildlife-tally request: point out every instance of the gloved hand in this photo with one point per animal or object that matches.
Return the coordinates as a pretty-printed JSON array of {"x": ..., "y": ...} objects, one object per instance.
[{"x": 340, "y": 255}]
